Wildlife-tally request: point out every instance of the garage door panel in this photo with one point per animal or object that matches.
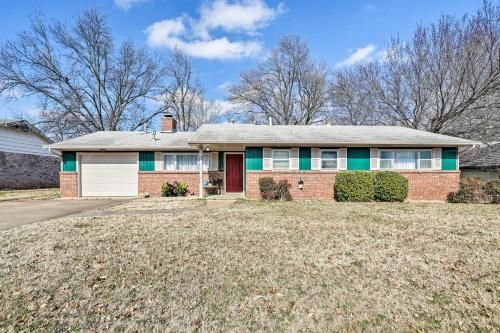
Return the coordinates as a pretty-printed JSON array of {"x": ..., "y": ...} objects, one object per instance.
[{"x": 109, "y": 174}]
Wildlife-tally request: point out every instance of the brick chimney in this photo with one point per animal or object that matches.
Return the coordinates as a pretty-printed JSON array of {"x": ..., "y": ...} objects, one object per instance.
[{"x": 168, "y": 123}]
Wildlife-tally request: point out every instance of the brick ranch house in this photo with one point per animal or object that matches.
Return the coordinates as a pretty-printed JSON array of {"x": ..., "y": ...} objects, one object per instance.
[{"x": 238, "y": 155}]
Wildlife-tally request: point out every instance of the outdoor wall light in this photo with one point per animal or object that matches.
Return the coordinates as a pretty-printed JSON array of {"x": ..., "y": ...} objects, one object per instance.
[{"x": 301, "y": 184}]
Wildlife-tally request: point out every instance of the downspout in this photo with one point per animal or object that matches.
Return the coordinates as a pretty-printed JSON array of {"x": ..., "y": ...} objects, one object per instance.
[{"x": 200, "y": 163}]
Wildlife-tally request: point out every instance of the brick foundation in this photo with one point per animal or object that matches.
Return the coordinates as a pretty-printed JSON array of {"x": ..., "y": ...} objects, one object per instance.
[
  {"x": 423, "y": 185},
  {"x": 68, "y": 184},
  {"x": 151, "y": 182}
]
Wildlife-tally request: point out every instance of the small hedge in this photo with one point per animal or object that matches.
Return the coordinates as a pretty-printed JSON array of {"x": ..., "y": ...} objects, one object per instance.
[
  {"x": 470, "y": 191},
  {"x": 390, "y": 186},
  {"x": 354, "y": 186},
  {"x": 174, "y": 190},
  {"x": 270, "y": 190},
  {"x": 492, "y": 190}
]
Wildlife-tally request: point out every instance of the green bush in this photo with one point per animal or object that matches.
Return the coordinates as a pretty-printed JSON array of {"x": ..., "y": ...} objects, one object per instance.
[
  {"x": 354, "y": 186},
  {"x": 390, "y": 186},
  {"x": 470, "y": 191},
  {"x": 270, "y": 190},
  {"x": 177, "y": 189},
  {"x": 492, "y": 190}
]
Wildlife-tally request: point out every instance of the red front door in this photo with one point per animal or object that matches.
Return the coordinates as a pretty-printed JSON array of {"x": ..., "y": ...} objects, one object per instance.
[{"x": 234, "y": 173}]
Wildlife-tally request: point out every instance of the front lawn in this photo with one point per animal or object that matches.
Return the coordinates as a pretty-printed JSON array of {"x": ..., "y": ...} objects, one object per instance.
[
  {"x": 35, "y": 194},
  {"x": 314, "y": 266}
]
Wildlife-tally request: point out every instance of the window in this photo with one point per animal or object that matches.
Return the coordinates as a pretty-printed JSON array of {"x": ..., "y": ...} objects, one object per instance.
[
  {"x": 184, "y": 162},
  {"x": 281, "y": 159},
  {"x": 328, "y": 159},
  {"x": 425, "y": 159},
  {"x": 386, "y": 159},
  {"x": 405, "y": 159}
]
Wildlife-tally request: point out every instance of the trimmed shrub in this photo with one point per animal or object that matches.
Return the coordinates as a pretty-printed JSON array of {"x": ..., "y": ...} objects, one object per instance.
[
  {"x": 470, "y": 191},
  {"x": 492, "y": 190},
  {"x": 177, "y": 189},
  {"x": 390, "y": 186},
  {"x": 270, "y": 190},
  {"x": 354, "y": 186}
]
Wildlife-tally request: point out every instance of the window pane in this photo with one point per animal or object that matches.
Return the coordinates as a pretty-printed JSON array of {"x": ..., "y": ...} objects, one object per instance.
[
  {"x": 281, "y": 154},
  {"x": 385, "y": 164},
  {"x": 169, "y": 162},
  {"x": 187, "y": 162},
  {"x": 425, "y": 164},
  {"x": 405, "y": 160},
  {"x": 329, "y": 155},
  {"x": 425, "y": 155},
  {"x": 385, "y": 155},
  {"x": 328, "y": 164},
  {"x": 280, "y": 164}
]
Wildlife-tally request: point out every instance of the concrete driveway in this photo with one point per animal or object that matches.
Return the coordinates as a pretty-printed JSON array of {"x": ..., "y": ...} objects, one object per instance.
[{"x": 19, "y": 212}]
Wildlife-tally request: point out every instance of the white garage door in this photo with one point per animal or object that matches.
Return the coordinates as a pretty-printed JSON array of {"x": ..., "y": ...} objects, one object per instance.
[{"x": 108, "y": 174}]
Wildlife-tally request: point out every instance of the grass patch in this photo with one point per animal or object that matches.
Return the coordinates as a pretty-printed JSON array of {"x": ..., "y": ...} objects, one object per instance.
[
  {"x": 308, "y": 266},
  {"x": 36, "y": 194}
]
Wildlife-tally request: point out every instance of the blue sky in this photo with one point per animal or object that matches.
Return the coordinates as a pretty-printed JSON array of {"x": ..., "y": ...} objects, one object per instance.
[{"x": 226, "y": 37}]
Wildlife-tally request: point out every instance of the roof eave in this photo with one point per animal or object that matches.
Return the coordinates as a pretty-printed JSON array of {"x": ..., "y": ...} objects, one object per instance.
[{"x": 338, "y": 143}]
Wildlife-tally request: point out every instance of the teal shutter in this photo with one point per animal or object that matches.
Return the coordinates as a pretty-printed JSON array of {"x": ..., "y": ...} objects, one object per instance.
[
  {"x": 358, "y": 158},
  {"x": 146, "y": 161},
  {"x": 449, "y": 159},
  {"x": 221, "y": 161},
  {"x": 253, "y": 157},
  {"x": 69, "y": 161},
  {"x": 305, "y": 158}
]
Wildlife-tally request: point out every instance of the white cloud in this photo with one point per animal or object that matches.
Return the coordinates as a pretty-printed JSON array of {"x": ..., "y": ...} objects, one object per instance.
[
  {"x": 224, "y": 86},
  {"x": 361, "y": 54},
  {"x": 241, "y": 16},
  {"x": 127, "y": 4},
  {"x": 193, "y": 36}
]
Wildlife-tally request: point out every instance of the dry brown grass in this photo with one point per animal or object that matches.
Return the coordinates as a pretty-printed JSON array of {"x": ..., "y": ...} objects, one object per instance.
[
  {"x": 311, "y": 266},
  {"x": 159, "y": 204},
  {"x": 36, "y": 194}
]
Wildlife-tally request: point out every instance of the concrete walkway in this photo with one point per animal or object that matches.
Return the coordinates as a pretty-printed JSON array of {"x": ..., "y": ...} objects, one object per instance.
[{"x": 20, "y": 212}]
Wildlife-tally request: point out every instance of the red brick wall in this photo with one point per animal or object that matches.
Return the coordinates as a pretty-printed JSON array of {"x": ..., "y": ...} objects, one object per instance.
[
  {"x": 317, "y": 184},
  {"x": 68, "y": 184},
  {"x": 423, "y": 185},
  {"x": 151, "y": 182},
  {"x": 431, "y": 185}
]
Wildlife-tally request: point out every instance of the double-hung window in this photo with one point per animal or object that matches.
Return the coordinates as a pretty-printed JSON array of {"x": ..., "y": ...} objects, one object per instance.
[
  {"x": 405, "y": 159},
  {"x": 329, "y": 159},
  {"x": 184, "y": 162},
  {"x": 281, "y": 159}
]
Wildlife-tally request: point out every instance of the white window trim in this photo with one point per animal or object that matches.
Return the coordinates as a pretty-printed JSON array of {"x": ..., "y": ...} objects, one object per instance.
[
  {"x": 418, "y": 158},
  {"x": 321, "y": 159},
  {"x": 185, "y": 153},
  {"x": 281, "y": 159}
]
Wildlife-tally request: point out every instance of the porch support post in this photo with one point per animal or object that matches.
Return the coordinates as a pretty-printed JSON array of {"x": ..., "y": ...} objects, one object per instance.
[{"x": 200, "y": 163}]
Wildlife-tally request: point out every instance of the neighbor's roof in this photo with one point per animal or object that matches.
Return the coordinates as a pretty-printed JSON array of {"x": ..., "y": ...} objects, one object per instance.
[
  {"x": 23, "y": 125},
  {"x": 126, "y": 141},
  {"x": 486, "y": 157},
  {"x": 327, "y": 135}
]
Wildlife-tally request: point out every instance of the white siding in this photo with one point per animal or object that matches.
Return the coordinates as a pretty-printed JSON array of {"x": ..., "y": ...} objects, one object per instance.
[
  {"x": 108, "y": 174},
  {"x": 16, "y": 141}
]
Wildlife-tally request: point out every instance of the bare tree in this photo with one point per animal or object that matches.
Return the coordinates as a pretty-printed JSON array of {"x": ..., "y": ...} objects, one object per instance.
[
  {"x": 287, "y": 86},
  {"x": 206, "y": 112},
  {"x": 445, "y": 80},
  {"x": 82, "y": 82},
  {"x": 183, "y": 94}
]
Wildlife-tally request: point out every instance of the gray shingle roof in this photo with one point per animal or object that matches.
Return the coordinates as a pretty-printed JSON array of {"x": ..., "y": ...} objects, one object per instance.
[
  {"x": 327, "y": 135},
  {"x": 126, "y": 141},
  {"x": 24, "y": 125},
  {"x": 481, "y": 157}
]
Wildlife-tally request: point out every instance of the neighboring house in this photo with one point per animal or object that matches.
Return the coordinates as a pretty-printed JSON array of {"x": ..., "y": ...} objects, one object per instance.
[
  {"x": 238, "y": 155},
  {"x": 24, "y": 163},
  {"x": 483, "y": 162}
]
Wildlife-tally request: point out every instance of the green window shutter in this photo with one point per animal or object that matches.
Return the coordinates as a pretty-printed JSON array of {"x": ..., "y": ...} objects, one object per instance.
[
  {"x": 449, "y": 159},
  {"x": 305, "y": 158},
  {"x": 253, "y": 156},
  {"x": 221, "y": 161},
  {"x": 358, "y": 158},
  {"x": 146, "y": 161},
  {"x": 69, "y": 161}
]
